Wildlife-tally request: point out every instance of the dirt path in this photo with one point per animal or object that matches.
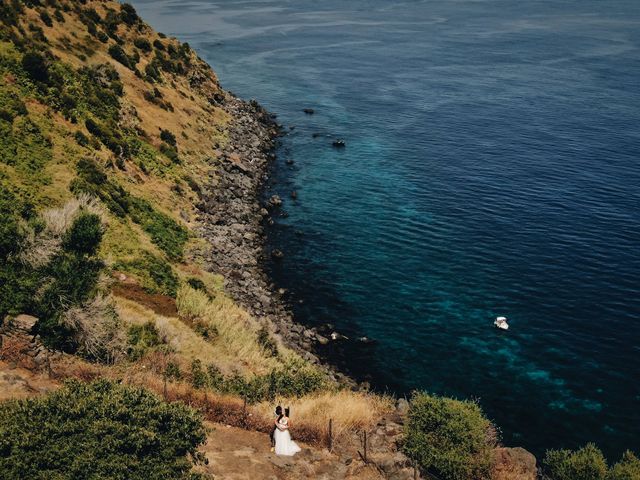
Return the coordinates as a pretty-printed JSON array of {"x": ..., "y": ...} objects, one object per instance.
[{"x": 236, "y": 454}]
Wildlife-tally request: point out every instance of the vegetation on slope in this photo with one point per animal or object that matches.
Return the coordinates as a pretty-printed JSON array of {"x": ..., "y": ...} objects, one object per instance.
[{"x": 98, "y": 430}]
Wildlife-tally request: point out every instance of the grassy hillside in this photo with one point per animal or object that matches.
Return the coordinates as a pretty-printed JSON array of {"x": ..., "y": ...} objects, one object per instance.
[
  {"x": 110, "y": 135},
  {"x": 95, "y": 104}
]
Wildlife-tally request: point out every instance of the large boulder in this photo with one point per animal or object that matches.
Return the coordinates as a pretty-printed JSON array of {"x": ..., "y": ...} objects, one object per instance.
[{"x": 514, "y": 464}]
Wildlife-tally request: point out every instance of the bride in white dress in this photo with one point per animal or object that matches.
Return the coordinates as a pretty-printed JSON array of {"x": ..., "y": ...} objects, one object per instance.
[{"x": 284, "y": 444}]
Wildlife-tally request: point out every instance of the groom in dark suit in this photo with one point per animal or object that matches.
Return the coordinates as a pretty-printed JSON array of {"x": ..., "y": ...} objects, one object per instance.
[{"x": 278, "y": 412}]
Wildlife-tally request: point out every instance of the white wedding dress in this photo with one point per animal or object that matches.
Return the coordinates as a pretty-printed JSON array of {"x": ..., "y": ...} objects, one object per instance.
[{"x": 284, "y": 444}]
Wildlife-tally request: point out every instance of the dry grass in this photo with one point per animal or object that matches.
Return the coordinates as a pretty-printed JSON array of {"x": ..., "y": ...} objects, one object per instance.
[
  {"x": 40, "y": 248},
  {"x": 237, "y": 330},
  {"x": 350, "y": 411},
  {"x": 97, "y": 329},
  {"x": 234, "y": 349}
]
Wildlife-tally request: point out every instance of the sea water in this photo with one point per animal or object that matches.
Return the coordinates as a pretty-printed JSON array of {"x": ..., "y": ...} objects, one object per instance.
[{"x": 491, "y": 167}]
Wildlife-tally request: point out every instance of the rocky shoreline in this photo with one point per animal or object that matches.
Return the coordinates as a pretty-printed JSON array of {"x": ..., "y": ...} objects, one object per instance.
[{"x": 232, "y": 217}]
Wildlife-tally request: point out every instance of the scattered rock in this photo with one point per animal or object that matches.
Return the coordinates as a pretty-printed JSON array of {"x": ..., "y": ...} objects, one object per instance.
[
  {"x": 275, "y": 201},
  {"x": 277, "y": 254},
  {"x": 294, "y": 195},
  {"x": 339, "y": 143},
  {"x": 289, "y": 162},
  {"x": 402, "y": 406},
  {"x": 309, "y": 111}
]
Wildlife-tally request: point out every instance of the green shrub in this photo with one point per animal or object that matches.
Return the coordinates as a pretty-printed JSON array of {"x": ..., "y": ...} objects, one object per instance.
[
  {"x": 119, "y": 55},
  {"x": 10, "y": 12},
  {"x": 628, "y": 468},
  {"x": 98, "y": 430},
  {"x": 11, "y": 106},
  {"x": 587, "y": 463},
  {"x": 449, "y": 436},
  {"x": 170, "y": 152},
  {"x": 197, "y": 284},
  {"x": 198, "y": 375},
  {"x": 84, "y": 235},
  {"x": 265, "y": 340},
  {"x": 159, "y": 45},
  {"x": 57, "y": 14},
  {"x": 46, "y": 18},
  {"x": 168, "y": 137},
  {"x": 103, "y": 37},
  {"x": 293, "y": 379},
  {"x": 143, "y": 44},
  {"x": 143, "y": 338},
  {"x": 36, "y": 66},
  {"x": 153, "y": 73},
  {"x": 71, "y": 281},
  {"x": 215, "y": 379},
  {"x": 18, "y": 282},
  {"x": 172, "y": 371},
  {"x": 81, "y": 138},
  {"x": 129, "y": 14}
]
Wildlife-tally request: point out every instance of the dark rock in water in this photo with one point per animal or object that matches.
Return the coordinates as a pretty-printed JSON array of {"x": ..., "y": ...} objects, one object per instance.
[
  {"x": 289, "y": 162},
  {"x": 294, "y": 194},
  {"x": 284, "y": 214},
  {"x": 275, "y": 201},
  {"x": 316, "y": 135},
  {"x": 292, "y": 127},
  {"x": 309, "y": 111},
  {"x": 365, "y": 340},
  {"x": 277, "y": 254},
  {"x": 339, "y": 144}
]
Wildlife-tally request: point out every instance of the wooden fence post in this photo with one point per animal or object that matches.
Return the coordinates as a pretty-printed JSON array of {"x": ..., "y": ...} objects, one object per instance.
[
  {"x": 244, "y": 411},
  {"x": 164, "y": 388},
  {"x": 330, "y": 434},
  {"x": 365, "y": 447}
]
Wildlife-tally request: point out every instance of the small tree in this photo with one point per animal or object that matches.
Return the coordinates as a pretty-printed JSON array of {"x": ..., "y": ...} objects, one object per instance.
[
  {"x": 36, "y": 66},
  {"x": 587, "y": 463},
  {"x": 449, "y": 436},
  {"x": 85, "y": 235}
]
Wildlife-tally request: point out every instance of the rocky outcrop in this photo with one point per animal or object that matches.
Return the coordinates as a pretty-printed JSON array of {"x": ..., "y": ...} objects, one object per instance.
[
  {"x": 514, "y": 464},
  {"x": 18, "y": 345},
  {"x": 231, "y": 218}
]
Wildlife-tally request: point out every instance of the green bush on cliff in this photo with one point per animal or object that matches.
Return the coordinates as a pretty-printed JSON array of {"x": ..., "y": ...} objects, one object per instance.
[
  {"x": 628, "y": 468},
  {"x": 588, "y": 463},
  {"x": 98, "y": 430},
  {"x": 448, "y": 436}
]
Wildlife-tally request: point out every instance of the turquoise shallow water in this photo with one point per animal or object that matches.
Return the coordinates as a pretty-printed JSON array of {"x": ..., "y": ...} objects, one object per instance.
[{"x": 492, "y": 168}]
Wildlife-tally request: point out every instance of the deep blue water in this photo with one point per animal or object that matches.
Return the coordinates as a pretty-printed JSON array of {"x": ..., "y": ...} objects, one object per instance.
[{"x": 492, "y": 168}]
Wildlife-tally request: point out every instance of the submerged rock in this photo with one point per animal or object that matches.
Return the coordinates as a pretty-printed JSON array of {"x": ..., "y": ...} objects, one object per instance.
[
  {"x": 339, "y": 143},
  {"x": 277, "y": 254},
  {"x": 309, "y": 111}
]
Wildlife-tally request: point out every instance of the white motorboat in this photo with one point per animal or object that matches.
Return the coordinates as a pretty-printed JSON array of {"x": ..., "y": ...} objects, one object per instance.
[{"x": 501, "y": 323}]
